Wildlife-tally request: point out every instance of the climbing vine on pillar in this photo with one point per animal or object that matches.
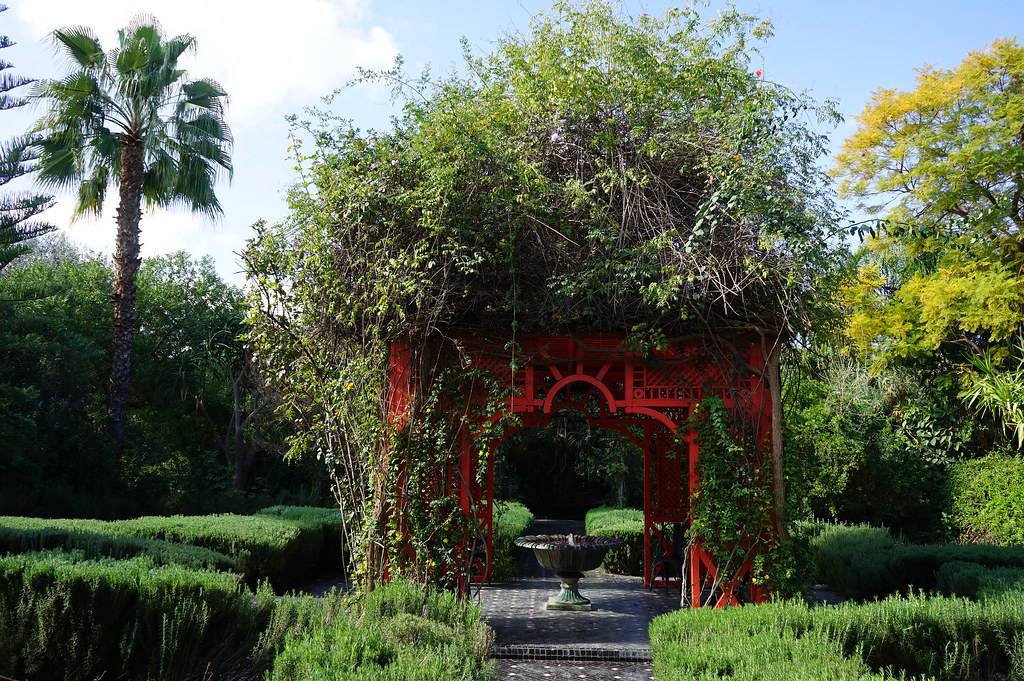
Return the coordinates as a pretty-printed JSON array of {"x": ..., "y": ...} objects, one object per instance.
[{"x": 731, "y": 507}]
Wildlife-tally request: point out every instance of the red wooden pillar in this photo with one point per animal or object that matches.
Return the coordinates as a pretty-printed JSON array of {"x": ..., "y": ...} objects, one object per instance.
[
  {"x": 648, "y": 510},
  {"x": 696, "y": 552}
]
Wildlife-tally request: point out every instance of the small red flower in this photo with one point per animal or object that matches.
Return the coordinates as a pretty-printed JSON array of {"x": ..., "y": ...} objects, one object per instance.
[{"x": 758, "y": 73}]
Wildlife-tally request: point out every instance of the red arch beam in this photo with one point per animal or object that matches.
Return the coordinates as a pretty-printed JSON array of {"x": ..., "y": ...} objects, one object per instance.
[{"x": 550, "y": 399}]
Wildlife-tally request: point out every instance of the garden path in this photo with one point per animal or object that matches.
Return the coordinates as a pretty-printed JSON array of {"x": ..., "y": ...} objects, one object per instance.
[{"x": 609, "y": 642}]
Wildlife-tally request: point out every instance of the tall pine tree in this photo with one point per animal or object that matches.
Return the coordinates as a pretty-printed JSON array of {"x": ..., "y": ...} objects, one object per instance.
[{"x": 17, "y": 210}]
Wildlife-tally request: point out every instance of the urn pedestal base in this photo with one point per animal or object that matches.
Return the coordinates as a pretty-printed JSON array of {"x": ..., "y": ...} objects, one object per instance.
[{"x": 569, "y": 597}]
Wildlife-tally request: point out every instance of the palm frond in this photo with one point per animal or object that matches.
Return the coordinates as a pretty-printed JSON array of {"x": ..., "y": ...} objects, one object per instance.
[
  {"x": 999, "y": 392},
  {"x": 203, "y": 94},
  {"x": 177, "y": 46},
  {"x": 133, "y": 91},
  {"x": 194, "y": 186},
  {"x": 60, "y": 163},
  {"x": 80, "y": 45},
  {"x": 159, "y": 178},
  {"x": 92, "y": 191}
]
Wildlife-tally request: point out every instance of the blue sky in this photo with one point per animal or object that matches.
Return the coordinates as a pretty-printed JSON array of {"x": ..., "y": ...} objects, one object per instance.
[{"x": 276, "y": 58}]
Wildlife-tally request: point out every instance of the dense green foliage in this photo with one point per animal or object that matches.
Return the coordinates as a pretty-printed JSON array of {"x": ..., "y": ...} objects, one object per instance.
[
  {"x": 599, "y": 173},
  {"x": 264, "y": 547},
  {"x": 975, "y": 581},
  {"x": 283, "y": 544},
  {"x": 731, "y": 508},
  {"x": 948, "y": 639},
  {"x": 158, "y": 615},
  {"x": 941, "y": 164},
  {"x": 329, "y": 521},
  {"x": 399, "y": 632},
  {"x": 626, "y": 524},
  {"x": 73, "y": 618},
  {"x": 939, "y": 288},
  {"x": 935, "y": 637},
  {"x": 510, "y": 520},
  {"x": 77, "y": 618},
  {"x": 54, "y": 355},
  {"x": 865, "y": 562},
  {"x": 97, "y": 539},
  {"x": 987, "y": 500},
  {"x": 852, "y": 438}
]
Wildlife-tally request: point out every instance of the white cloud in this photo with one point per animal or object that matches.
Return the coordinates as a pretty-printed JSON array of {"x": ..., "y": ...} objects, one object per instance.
[
  {"x": 265, "y": 54},
  {"x": 163, "y": 231},
  {"x": 271, "y": 58}
]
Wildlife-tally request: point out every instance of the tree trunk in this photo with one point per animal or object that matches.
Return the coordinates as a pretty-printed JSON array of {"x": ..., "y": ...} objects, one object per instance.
[
  {"x": 126, "y": 268},
  {"x": 245, "y": 455},
  {"x": 778, "y": 474}
]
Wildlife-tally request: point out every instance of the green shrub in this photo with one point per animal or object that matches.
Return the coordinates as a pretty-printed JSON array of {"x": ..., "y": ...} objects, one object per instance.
[
  {"x": 949, "y": 639},
  {"x": 65, "y": 617},
  {"x": 511, "y": 519},
  {"x": 839, "y": 552},
  {"x": 394, "y": 633},
  {"x": 94, "y": 539},
  {"x": 971, "y": 580},
  {"x": 987, "y": 499},
  {"x": 330, "y": 523},
  {"x": 865, "y": 562},
  {"x": 274, "y": 548},
  {"x": 626, "y": 524}
]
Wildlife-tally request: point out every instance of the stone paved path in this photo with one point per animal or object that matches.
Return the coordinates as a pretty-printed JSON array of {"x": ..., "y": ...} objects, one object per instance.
[
  {"x": 610, "y": 642},
  {"x": 622, "y": 610},
  {"x": 519, "y": 670}
]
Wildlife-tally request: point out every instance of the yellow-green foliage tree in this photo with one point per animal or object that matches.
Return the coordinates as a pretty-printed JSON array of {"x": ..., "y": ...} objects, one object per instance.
[{"x": 942, "y": 166}]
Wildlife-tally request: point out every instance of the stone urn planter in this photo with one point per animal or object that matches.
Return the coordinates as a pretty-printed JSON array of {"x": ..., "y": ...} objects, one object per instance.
[{"x": 569, "y": 556}]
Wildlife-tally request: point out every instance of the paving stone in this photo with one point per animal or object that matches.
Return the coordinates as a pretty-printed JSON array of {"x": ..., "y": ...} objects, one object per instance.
[
  {"x": 517, "y": 670},
  {"x": 614, "y": 631}
]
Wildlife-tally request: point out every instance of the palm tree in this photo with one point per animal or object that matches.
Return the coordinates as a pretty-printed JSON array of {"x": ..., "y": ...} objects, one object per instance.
[{"x": 129, "y": 117}]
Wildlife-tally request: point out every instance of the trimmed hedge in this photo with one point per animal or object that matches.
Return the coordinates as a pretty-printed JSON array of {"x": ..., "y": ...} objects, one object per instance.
[
  {"x": 950, "y": 639},
  {"x": 328, "y": 521},
  {"x": 283, "y": 551},
  {"x": 864, "y": 562},
  {"x": 511, "y": 518},
  {"x": 626, "y": 524},
  {"x": 283, "y": 544},
  {"x": 65, "y": 617},
  {"x": 987, "y": 499},
  {"x": 975, "y": 581},
  {"x": 398, "y": 632},
  {"x": 94, "y": 539}
]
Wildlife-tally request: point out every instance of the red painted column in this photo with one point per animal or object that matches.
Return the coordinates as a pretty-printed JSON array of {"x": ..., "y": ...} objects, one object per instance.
[
  {"x": 648, "y": 524},
  {"x": 695, "y": 551}
]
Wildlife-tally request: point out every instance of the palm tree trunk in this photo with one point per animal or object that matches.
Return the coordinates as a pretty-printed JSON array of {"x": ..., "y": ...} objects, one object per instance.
[{"x": 126, "y": 268}]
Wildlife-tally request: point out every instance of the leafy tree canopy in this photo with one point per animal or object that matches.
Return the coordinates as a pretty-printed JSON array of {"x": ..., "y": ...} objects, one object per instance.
[
  {"x": 943, "y": 166},
  {"x": 596, "y": 174},
  {"x": 600, "y": 173}
]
